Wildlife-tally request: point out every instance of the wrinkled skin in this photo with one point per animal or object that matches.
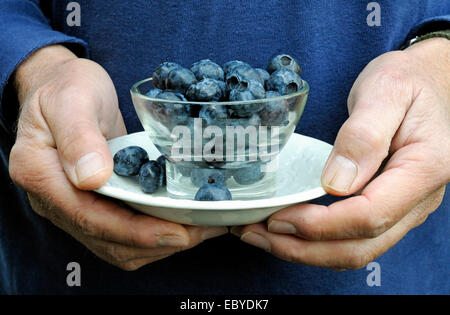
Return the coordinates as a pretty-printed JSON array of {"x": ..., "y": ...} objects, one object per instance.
[
  {"x": 69, "y": 109},
  {"x": 393, "y": 152}
]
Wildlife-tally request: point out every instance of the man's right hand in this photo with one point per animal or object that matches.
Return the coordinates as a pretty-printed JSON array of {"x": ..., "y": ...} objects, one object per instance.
[{"x": 69, "y": 109}]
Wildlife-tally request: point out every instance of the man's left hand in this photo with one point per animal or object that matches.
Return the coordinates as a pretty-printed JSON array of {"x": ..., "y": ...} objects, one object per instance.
[{"x": 393, "y": 153}]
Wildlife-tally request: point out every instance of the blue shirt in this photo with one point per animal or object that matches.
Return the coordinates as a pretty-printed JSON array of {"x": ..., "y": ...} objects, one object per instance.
[{"x": 333, "y": 43}]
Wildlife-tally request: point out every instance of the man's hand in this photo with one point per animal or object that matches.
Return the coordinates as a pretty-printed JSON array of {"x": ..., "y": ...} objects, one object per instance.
[
  {"x": 399, "y": 125},
  {"x": 69, "y": 109}
]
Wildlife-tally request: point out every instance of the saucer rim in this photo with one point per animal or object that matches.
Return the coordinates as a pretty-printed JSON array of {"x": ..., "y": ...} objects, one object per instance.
[{"x": 167, "y": 202}]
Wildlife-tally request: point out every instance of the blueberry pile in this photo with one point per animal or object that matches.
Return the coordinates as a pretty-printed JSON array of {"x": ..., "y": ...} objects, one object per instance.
[
  {"x": 206, "y": 81},
  {"x": 133, "y": 160}
]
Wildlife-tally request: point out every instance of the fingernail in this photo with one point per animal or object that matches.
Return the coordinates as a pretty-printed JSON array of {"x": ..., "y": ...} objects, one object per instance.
[
  {"x": 257, "y": 240},
  {"x": 281, "y": 227},
  {"x": 89, "y": 165},
  {"x": 339, "y": 174},
  {"x": 214, "y": 232},
  {"x": 172, "y": 240}
]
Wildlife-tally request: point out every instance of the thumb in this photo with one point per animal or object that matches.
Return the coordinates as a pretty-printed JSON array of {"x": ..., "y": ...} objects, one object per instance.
[
  {"x": 377, "y": 105},
  {"x": 73, "y": 118}
]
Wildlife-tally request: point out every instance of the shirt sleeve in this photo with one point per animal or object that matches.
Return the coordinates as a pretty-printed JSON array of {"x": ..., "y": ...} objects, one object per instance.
[
  {"x": 437, "y": 23},
  {"x": 24, "y": 29}
]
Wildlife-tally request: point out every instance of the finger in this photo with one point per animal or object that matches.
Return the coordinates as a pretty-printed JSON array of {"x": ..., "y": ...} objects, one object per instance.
[
  {"x": 111, "y": 223},
  {"x": 382, "y": 203},
  {"x": 124, "y": 257},
  {"x": 88, "y": 213},
  {"x": 377, "y": 105},
  {"x": 133, "y": 265},
  {"x": 118, "y": 253},
  {"x": 334, "y": 254},
  {"x": 82, "y": 147},
  {"x": 80, "y": 120}
]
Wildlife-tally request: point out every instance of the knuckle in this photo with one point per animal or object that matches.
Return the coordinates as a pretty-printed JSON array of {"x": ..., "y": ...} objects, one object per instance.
[
  {"x": 66, "y": 92},
  {"x": 365, "y": 136},
  {"x": 46, "y": 93},
  {"x": 22, "y": 172},
  {"x": 73, "y": 89},
  {"x": 421, "y": 212},
  {"x": 436, "y": 201},
  {"x": 128, "y": 266},
  {"x": 309, "y": 227},
  {"x": 131, "y": 265},
  {"x": 388, "y": 75},
  {"x": 357, "y": 260},
  {"x": 46, "y": 209},
  {"x": 136, "y": 236},
  {"x": 288, "y": 254},
  {"x": 372, "y": 226},
  {"x": 75, "y": 135},
  {"x": 81, "y": 221},
  {"x": 310, "y": 231},
  {"x": 421, "y": 219},
  {"x": 15, "y": 170},
  {"x": 42, "y": 208},
  {"x": 76, "y": 94},
  {"x": 117, "y": 254},
  {"x": 17, "y": 166}
]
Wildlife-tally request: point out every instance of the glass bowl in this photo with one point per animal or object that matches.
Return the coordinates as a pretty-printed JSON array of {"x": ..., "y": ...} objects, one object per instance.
[{"x": 237, "y": 152}]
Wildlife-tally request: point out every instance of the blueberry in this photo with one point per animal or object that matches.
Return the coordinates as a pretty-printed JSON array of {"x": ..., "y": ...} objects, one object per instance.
[
  {"x": 201, "y": 176},
  {"x": 272, "y": 94},
  {"x": 129, "y": 160},
  {"x": 214, "y": 114},
  {"x": 171, "y": 96},
  {"x": 249, "y": 174},
  {"x": 160, "y": 74},
  {"x": 223, "y": 88},
  {"x": 151, "y": 177},
  {"x": 162, "y": 161},
  {"x": 247, "y": 91},
  {"x": 241, "y": 73},
  {"x": 228, "y": 166},
  {"x": 274, "y": 113},
  {"x": 212, "y": 192},
  {"x": 283, "y": 61},
  {"x": 263, "y": 74},
  {"x": 153, "y": 93},
  {"x": 180, "y": 79},
  {"x": 230, "y": 65},
  {"x": 171, "y": 114},
  {"x": 207, "y": 69},
  {"x": 207, "y": 90},
  {"x": 285, "y": 82},
  {"x": 253, "y": 120}
]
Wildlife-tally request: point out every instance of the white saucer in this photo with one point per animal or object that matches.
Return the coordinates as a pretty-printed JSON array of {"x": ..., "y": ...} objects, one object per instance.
[{"x": 298, "y": 180}]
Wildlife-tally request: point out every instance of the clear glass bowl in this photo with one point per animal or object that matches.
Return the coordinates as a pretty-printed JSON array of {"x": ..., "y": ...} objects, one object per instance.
[{"x": 238, "y": 152}]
